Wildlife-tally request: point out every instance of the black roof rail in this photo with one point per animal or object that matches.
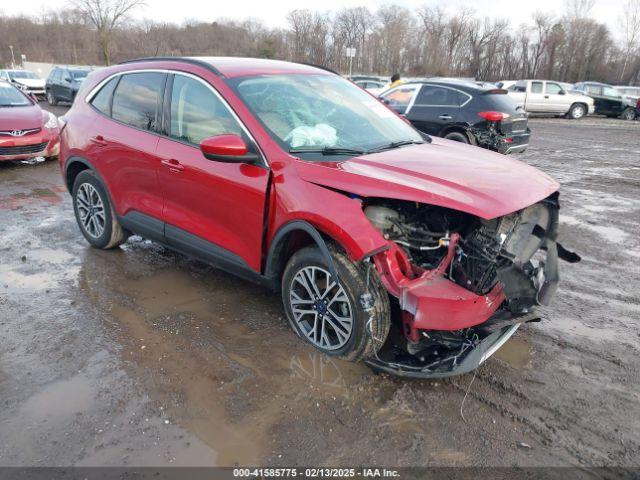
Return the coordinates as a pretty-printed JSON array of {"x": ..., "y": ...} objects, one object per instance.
[{"x": 191, "y": 60}]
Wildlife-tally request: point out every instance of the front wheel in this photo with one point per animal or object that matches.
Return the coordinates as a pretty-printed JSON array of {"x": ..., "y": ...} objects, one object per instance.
[
  {"x": 94, "y": 213},
  {"x": 327, "y": 312},
  {"x": 629, "y": 114},
  {"x": 51, "y": 99},
  {"x": 577, "y": 111}
]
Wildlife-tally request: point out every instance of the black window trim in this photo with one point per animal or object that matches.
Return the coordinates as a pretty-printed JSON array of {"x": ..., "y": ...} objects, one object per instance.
[
  {"x": 162, "y": 131},
  {"x": 415, "y": 104}
]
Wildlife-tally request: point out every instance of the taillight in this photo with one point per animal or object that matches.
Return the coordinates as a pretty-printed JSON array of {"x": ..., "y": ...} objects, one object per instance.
[{"x": 492, "y": 116}]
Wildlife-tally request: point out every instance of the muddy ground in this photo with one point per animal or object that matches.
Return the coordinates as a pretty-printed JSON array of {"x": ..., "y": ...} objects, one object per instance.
[{"x": 141, "y": 356}]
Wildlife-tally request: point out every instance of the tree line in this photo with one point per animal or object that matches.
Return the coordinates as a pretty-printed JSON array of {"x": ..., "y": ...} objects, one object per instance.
[{"x": 425, "y": 41}]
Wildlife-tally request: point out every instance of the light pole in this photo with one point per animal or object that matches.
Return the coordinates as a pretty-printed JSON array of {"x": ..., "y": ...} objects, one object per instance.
[{"x": 13, "y": 59}]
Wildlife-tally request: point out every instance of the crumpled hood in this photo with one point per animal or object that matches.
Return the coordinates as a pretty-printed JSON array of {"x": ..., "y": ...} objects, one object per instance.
[
  {"x": 443, "y": 173},
  {"x": 21, "y": 118},
  {"x": 31, "y": 82}
]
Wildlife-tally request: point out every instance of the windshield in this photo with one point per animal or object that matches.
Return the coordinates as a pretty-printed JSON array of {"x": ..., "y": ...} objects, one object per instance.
[
  {"x": 79, "y": 74},
  {"x": 12, "y": 97},
  {"x": 322, "y": 112},
  {"x": 22, "y": 74}
]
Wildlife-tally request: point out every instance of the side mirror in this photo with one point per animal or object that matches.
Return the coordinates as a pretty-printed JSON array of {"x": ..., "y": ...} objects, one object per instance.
[
  {"x": 68, "y": 79},
  {"x": 227, "y": 148},
  {"x": 562, "y": 92}
]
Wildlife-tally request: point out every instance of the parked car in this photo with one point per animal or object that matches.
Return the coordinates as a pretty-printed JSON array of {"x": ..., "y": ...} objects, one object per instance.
[
  {"x": 549, "y": 97},
  {"x": 631, "y": 96},
  {"x": 608, "y": 101},
  {"x": 294, "y": 177},
  {"x": 26, "y": 131},
  {"x": 63, "y": 83},
  {"x": 505, "y": 83},
  {"x": 464, "y": 112},
  {"x": 25, "y": 80}
]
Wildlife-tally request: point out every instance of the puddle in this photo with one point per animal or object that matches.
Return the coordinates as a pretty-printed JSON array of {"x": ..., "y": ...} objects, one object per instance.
[
  {"x": 516, "y": 352},
  {"x": 60, "y": 400}
]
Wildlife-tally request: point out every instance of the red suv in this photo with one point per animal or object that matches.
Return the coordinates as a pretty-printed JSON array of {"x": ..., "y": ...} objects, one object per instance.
[{"x": 420, "y": 256}]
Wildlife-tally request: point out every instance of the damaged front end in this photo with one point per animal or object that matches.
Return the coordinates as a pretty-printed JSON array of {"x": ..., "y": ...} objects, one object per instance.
[{"x": 464, "y": 284}]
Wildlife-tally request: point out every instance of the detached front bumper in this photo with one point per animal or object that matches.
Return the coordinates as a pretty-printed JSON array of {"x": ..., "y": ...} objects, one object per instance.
[{"x": 471, "y": 353}]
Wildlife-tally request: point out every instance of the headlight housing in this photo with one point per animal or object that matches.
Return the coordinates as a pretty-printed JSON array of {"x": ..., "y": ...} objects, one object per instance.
[{"x": 52, "y": 122}]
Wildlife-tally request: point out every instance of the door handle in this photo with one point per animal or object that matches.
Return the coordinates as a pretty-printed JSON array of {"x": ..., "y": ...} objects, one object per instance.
[
  {"x": 174, "y": 165},
  {"x": 99, "y": 140},
  {"x": 546, "y": 96},
  {"x": 445, "y": 117}
]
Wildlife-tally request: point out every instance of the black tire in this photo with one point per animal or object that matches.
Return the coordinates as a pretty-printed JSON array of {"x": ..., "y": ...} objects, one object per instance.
[
  {"x": 576, "y": 111},
  {"x": 51, "y": 98},
  {"x": 457, "y": 137},
  {"x": 112, "y": 233},
  {"x": 369, "y": 330},
  {"x": 629, "y": 114}
]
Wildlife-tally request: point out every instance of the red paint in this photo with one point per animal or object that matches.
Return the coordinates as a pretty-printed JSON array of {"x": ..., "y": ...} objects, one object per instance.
[
  {"x": 27, "y": 118},
  {"x": 225, "y": 203},
  {"x": 227, "y": 145}
]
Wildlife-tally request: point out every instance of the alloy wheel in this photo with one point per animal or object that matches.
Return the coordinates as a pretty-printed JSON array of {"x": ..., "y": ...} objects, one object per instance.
[
  {"x": 321, "y": 308},
  {"x": 578, "y": 112},
  {"x": 90, "y": 210}
]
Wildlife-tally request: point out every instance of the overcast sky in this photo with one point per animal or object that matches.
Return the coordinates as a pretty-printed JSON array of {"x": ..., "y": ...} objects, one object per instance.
[{"x": 273, "y": 12}]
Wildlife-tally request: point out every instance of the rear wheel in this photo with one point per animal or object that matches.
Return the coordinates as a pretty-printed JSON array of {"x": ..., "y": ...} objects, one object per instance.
[
  {"x": 629, "y": 114},
  {"x": 577, "y": 111},
  {"x": 51, "y": 99},
  {"x": 327, "y": 312},
  {"x": 457, "y": 137},
  {"x": 94, "y": 213}
]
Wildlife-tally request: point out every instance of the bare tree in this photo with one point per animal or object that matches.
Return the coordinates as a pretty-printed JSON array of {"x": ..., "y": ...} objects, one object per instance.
[
  {"x": 106, "y": 16},
  {"x": 630, "y": 22}
]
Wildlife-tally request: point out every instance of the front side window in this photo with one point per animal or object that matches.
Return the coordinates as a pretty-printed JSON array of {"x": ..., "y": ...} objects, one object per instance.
[
  {"x": 400, "y": 98},
  {"x": 610, "y": 92},
  {"x": 136, "y": 100},
  {"x": 322, "y": 111},
  {"x": 197, "y": 113},
  {"x": 553, "y": 89},
  {"x": 536, "y": 87},
  {"x": 79, "y": 74}
]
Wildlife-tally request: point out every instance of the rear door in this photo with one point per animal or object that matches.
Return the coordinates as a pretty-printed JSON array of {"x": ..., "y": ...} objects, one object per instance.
[
  {"x": 612, "y": 100},
  {"x": 436, "y": 107},
  {"x": 212, "y": 209},
  {"x": 124, "y": 146}
]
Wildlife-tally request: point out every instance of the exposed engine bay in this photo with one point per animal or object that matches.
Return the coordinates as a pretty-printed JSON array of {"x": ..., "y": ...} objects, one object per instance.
[{"x": 515, "y": 255}]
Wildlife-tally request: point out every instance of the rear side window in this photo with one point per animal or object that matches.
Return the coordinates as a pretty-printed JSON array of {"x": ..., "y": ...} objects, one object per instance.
[
  {"x": 102, "y": 100},
  {"x": 136, "y": 100},
  {"x": 594, "y": 89},
  {"x": 440, "y": 96},
  {"x": 536, "y": 87},
  {"x": 197, "y": 113},
  {"x": 400, "y": 98}
]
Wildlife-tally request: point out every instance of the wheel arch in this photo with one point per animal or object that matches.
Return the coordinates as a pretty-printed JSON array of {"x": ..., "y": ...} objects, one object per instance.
[
  {"x": 585, "y": 105},
  {"x": 72, "y": 168},
  {"x": 459, "y": 128},
  {"x": 289, "y": 239}
]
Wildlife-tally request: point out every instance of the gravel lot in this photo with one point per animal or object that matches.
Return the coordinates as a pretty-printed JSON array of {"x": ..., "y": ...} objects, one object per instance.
[{"x": 142, "y": 357}]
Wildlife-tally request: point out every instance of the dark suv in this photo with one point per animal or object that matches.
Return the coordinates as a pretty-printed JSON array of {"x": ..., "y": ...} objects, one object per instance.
[
  {"x": 607, "y": 100},
  {"x": 63, "y": 84},
  {"x": 295, "y": 178},
  {"x": 464, "y": 112}
]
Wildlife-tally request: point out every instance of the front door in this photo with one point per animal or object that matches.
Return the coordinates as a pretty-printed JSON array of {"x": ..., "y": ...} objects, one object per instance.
[
  {"x": 211, "y": 208},
  {"x": 556, "y": 98}
]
